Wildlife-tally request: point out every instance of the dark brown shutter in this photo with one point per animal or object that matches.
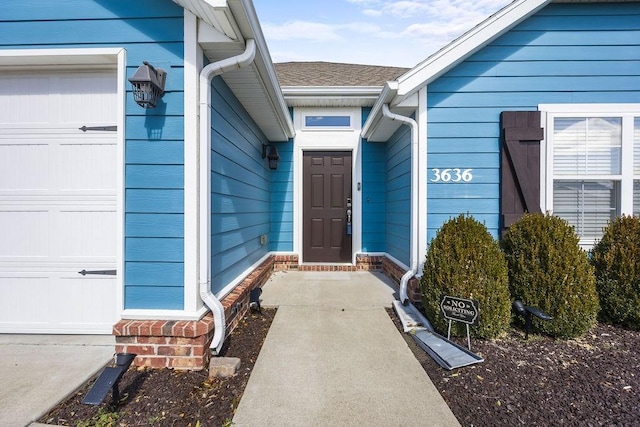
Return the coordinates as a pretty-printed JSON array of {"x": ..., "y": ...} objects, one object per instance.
[{"x": 520, "y": 165}]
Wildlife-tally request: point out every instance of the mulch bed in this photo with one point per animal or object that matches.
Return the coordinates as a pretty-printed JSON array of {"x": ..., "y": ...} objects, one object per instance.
[
  {"x": 167, "y": 397},
  {"x": 591, "y": 381}
]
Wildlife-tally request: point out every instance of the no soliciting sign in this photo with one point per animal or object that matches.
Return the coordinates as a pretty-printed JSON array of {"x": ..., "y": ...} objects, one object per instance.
[{"x": 460, "y": 309}]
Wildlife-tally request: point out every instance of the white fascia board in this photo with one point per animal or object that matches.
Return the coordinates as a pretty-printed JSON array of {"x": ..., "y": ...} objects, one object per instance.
[
  {"x": 237, "y": 19},
  {"x": 388, "y": 93},
  {"x": 467, "y": 44},
  {"x": 272, "y": 87},
  {"x": 247, "y": 20},
  {"x": 214, "y": 12}
]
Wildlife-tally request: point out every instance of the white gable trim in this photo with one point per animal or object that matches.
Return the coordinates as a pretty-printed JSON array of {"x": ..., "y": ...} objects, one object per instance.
[
  {"x": 408, "y": 84},
  {"x": 466, "y": 45}
]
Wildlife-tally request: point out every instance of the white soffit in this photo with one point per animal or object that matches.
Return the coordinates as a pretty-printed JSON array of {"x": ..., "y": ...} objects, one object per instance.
[
  {"x": 325, "y": 96},
  {"x": 223, "y": 27}
]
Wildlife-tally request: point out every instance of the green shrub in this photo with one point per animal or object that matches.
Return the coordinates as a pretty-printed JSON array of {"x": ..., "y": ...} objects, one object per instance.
[
  {"x": 549, "y": 270},
  {"x": 616, "y": 259},
  {"x": 464, "y": 261}
]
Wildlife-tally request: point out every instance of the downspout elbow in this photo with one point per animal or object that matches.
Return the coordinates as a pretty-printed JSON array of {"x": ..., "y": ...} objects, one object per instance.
[
  {"x": 206, "y": 75},
  {"x": 217, "y": 310},
  {"x": 413, "y": 268}
]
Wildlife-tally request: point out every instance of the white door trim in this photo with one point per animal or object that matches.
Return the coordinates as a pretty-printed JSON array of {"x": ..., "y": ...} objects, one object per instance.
[{"x": 328, "y": 139}]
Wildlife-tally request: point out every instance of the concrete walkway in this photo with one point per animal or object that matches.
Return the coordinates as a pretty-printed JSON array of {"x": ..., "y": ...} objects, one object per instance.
[
  {"x": 334, "y": 357},
  {"x": 38, "y": 371}
]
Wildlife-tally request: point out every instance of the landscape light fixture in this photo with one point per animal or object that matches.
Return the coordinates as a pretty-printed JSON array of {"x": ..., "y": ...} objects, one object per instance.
[
  {"x": 526, "y": 312},
  {"x": 254, "y": 299},
  {"x": 273, "y": 155},
  {"x": 148, "y": 85},
  {"x": 109, "y": 379}
]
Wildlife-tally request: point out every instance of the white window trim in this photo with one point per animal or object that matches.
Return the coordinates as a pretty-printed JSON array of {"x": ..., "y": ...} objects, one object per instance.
[
  {"x": 627, "y": 112},
  {"x": 328, "y": 112}
]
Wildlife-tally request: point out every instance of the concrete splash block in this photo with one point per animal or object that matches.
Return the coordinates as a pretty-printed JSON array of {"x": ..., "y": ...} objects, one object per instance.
[{"x": 223, "y": 367}]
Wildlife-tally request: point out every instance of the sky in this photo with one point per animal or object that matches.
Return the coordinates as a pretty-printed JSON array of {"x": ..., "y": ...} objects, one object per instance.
[{"x": 373, "y": 32}]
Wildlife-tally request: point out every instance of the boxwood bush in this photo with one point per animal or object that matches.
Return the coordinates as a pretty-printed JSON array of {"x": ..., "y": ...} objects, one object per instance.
[
  {"x": 549, "y": 270},
  {"x": 465, "y": 261},
  {"x": 616, "y": 259}
]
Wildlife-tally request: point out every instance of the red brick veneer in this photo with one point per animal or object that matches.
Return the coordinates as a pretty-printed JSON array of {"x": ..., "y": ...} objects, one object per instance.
[
  {"x": 184, "y": 344},
  {"x": 395, "y": 273}
]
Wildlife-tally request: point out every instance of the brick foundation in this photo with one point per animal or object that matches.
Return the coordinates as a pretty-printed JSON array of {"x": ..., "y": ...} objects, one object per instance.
[
  {"x": 183, "y": 344},
  {"x": 369, "y": 262},
  {"x": 395, "y": 273},
  {"x": 177, "y": 344},
  {"x": 285, "y": 262}
]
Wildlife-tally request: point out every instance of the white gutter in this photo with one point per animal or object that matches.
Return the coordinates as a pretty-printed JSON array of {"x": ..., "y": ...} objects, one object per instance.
[
  {"x": 206, "y": 75},
  {"x": 413, "y": 240}
]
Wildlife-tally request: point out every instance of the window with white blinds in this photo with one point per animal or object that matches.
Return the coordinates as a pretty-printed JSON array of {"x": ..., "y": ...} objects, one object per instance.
[
  {"x": 587, "y": 146},
  {"x": 587, "y": 205},
  {"x": 593, "y": 165}
]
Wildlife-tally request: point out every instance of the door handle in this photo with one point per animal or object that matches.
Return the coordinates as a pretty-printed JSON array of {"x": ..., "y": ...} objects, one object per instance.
[
  {"x": 348, "y": 216},
  {"x": 98, "y": 272}
]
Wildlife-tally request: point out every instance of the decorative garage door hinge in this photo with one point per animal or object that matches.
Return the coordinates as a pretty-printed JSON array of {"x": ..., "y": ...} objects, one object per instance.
[
  {"x": 99, "y": 272},
  {"x": 103, "y": 128}
]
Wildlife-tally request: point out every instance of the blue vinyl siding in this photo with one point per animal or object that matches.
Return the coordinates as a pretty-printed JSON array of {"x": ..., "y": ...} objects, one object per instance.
[
  {"x": 566, "y": 53},
  {"x": 374, "y": 189},
  {"x": 240, "y": 189},
  {"x": 149, "y": 30},
  {"x": 398, "y": 194},
  {"x": 281, "y": 207}
]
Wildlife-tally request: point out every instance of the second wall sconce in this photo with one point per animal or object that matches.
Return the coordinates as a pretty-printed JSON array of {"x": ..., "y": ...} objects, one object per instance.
[{"x": 273, "y": 155}]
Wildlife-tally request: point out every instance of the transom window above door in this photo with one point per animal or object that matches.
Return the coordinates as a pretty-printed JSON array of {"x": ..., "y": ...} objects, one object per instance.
[
  {"x": 327, "y": 121},
  {"x": 592, "y": 165}
]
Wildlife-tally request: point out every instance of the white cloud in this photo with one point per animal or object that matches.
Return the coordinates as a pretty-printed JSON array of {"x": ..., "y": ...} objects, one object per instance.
[
  {"x": 372, "y": 12},
  {"x": 301, "y": 30},
  {"x": 364, "y": 2},
  {"x": 406, "y": 9}
]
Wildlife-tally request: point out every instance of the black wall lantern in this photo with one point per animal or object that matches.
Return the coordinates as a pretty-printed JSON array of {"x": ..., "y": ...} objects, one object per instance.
[
  {"x": 273, "y": 155},
  {"x": 148, "y": 85}
]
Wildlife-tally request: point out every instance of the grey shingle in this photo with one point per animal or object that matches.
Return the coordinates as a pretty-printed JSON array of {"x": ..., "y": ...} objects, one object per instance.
[{"x": 335, "y": 74}]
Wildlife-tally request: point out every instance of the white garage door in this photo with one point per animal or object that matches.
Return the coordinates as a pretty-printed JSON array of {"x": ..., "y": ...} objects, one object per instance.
[{"x": 57, "y": 202}]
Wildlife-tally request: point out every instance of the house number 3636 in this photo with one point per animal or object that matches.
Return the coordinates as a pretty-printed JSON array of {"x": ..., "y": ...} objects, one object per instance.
[{"x": 452, "y": 175}]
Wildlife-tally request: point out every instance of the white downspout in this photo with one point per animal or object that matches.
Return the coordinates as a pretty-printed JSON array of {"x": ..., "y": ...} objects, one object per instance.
[
  {"x": 206, "y": 75},
  {"x": 413, "y": 241}
]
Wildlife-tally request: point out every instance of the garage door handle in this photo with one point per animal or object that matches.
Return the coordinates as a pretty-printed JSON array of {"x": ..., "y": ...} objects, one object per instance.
[
  {"x": 99, "y": 272},
  {"x": 104, "y": 128}
]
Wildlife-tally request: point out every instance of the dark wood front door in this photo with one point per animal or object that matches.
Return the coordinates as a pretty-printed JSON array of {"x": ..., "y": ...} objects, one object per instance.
[{"x": 326, "y": 193}]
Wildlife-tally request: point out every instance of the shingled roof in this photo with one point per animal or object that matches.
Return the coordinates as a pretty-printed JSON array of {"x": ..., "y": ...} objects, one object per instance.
[{"x": 292, "y": 74}]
